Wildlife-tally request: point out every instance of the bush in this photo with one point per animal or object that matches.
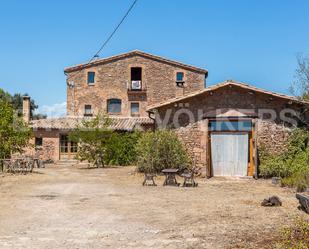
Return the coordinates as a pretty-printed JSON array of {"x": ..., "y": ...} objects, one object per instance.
[
  {"x": 299, "y": 180},
  {"x": 121, "y": 148},
  {"x": 292, "y": 164},
  {"x": 101, "y": 146},
  {"x": 296, "y": 236},
  {"x": 159, "y": 150}
]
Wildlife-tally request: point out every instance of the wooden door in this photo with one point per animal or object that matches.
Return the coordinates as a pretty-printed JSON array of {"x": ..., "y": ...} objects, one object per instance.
[
  {"x": 68, "y": 149},
  {"x": 229, "y": 154}
]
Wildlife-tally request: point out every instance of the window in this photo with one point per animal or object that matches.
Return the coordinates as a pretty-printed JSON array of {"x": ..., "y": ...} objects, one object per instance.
[
  {"x": 179, "y": 79},
  {"x": 114, "y": 105},
  {"x": 38, "y": 141},
  {"x": 230, "y": 125},
  {"x": 134, "y": 109},
  {"x": 88, "y": 111},
  {"x": 91, "y": 78},
  {"x": 179, "y": 76},
  {"x": 136, "y": 78}
]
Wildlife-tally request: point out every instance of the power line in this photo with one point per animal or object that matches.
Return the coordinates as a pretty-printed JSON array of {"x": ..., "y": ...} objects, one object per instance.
[
  {"x": 109, "y": 37},
  {"x": 115, "y": 30}
]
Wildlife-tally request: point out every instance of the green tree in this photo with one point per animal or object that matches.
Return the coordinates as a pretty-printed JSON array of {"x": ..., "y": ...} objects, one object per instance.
[
  {"x": 17, "y": 103},
  {"x": 300, "y": 86},
  {"x": 14, "y": 133},
  {"x": 161, "y": 149},
  {"x": 92, "y": 136}
]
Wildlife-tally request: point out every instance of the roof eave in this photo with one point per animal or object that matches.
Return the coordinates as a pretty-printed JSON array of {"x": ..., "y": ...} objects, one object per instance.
[
  {"x": 134, "y": 52},
  {"x": 223, "y": 84}
]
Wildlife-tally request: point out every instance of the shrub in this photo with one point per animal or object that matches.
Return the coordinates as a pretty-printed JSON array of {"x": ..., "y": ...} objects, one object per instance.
[
  {"x": 92, "y": 136},
  {"x": 159, "y": 150},
  {"x": 101, "y": 146},
  {"x": 292, "y": 164},
  {"x": 296, "y": 236},
  {"x": 299, "y": 180},
  {"x": 14, "y": 133},
  {"x": 121, "y": 148}
]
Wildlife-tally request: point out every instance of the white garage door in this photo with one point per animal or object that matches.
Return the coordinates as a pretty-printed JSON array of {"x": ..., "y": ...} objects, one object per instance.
[{"x": 229, "y": 154}]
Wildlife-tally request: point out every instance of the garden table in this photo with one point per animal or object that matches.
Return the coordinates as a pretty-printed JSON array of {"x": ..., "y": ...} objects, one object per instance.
[
  {"x": 170, "y": 177},
  {"x": 149, "y": 180}
]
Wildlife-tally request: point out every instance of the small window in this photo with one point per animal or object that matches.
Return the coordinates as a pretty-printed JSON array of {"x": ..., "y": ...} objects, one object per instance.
[
  {"x": 91, "y": 78},
  {"x": 230, "y": 125},
  {"x": 88, "y": 111},
  {"x": 179, "y": 76},
  {"x": 114, "y": 106},
  {"x": 38, "y": 141},
  {"x": 134, "y": 109}
]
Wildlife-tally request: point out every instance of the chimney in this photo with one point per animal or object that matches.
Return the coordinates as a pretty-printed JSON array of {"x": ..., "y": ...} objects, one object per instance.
[{"x": 26, "y": 109}]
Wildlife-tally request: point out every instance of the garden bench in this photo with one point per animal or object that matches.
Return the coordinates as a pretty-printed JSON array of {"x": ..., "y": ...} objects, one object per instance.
[
  {"x": 170, "y": 177},
  {"x": 18, "y": 165},
  {"x": 189, "y": 180}
]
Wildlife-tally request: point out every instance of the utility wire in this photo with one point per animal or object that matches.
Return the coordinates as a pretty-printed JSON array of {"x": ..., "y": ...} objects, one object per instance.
[
  {"x": 115, "y": 30},
  {"x": 109, "y": 37}
]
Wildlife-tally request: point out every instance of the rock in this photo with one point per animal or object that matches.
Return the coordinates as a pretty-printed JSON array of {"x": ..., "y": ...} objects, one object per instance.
[{"x": 271, "y": 202}]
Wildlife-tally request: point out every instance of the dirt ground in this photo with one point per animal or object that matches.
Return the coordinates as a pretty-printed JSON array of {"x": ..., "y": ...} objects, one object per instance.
[{"x": 74, "y": 207}]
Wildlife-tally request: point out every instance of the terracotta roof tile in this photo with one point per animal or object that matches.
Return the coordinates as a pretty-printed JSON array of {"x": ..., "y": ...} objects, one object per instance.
[{"x": 69, "y": 123}]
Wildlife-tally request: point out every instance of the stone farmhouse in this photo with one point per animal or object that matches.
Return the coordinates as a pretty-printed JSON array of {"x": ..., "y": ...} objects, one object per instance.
[
  {"x": 122, "y": 86},
  {"x": 223, "y": 126}
]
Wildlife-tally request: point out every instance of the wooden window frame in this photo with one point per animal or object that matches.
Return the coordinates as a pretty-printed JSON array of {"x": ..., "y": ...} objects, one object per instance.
[{"x": 94, "y": 76}]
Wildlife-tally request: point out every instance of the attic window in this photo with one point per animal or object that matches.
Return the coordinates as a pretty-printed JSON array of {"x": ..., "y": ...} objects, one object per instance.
[
  {"x": 180, "y": 79},
  {"x": 91, "y": 78}
]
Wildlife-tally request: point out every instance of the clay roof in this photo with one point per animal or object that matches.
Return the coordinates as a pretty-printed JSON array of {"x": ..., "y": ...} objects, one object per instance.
[
  {"x": 223, "y": 84},
  {"x": 69, "y": 123},
  {"x": 132, "y": 53}
]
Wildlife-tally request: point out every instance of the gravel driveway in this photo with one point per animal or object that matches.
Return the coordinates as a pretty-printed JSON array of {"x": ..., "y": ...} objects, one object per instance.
[{"x": 74, "y": 207}]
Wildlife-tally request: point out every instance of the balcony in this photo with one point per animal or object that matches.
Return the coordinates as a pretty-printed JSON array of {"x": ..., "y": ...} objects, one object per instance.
[{"x": 137, "y": 87}]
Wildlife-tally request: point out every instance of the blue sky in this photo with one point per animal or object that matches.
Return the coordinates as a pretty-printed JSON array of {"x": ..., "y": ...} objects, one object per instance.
[{"x": 254, "y": 41}]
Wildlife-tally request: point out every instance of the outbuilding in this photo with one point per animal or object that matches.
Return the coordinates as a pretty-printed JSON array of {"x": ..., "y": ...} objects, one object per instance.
[{"x": 226, "y": 125}]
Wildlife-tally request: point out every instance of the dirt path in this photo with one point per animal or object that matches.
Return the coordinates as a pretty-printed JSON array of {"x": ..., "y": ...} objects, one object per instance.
[{"x": 69, "y": 207}]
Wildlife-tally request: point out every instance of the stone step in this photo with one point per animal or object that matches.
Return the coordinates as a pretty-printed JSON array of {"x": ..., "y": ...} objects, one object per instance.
[{"x": 67, "y": 162}]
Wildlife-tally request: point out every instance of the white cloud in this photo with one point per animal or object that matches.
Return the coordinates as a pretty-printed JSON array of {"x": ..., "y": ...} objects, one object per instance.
[{"x": 55, "y": 110}]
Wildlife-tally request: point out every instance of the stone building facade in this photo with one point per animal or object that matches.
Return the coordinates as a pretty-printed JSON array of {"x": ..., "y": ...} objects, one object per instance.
[
  {"x": 113, "y": 79},
  {"x": 123, "y": 86},
  {"x": 270, "y": 118}
]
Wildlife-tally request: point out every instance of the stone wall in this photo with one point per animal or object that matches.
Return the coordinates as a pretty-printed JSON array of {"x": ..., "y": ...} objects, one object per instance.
[
  {"x": 50, "y": 148},
  {"x": 272, "y": 136},
  {"x": 112, "y": 79},
  {"x": 193, "y": 115}
]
